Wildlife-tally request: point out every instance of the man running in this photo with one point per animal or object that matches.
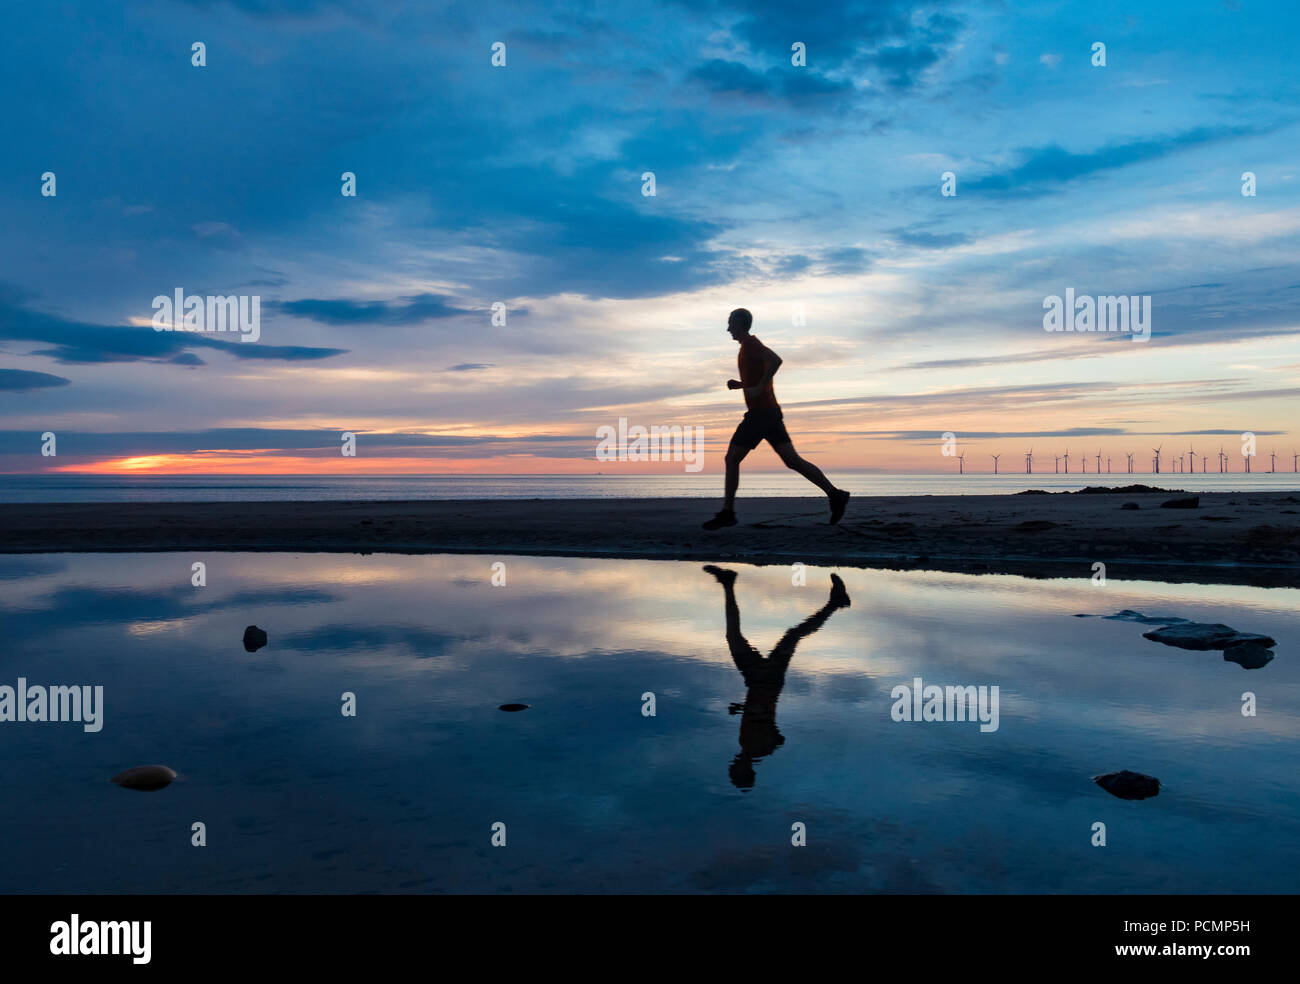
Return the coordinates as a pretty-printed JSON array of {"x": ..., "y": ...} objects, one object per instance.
[{"x": 763, "y": 420}]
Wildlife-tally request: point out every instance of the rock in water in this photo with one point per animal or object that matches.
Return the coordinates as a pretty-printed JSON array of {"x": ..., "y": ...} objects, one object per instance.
[
  {"x": 254, "y": 638},
  {"x": 1205, "y": 635},
  {"x": 1128, "y": 615},
  {"x": 514, "y": 707},
  {"x": 1250, "y": 655},
  {"x": 1190, "y": 502},
  {"x": 1128, "y": 785},
  {"x": 146, "y": 778}
]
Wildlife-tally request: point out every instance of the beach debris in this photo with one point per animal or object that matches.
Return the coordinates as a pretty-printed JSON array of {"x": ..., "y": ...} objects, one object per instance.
[
  {"x": 1130, "y": 505},
  {"x": 1034, "y": 526},
  {"x": 1128, "y": 785},
  {"x": 1249, "y": 655},
  {"x": 1188, "y": 502},
  {"x": 513, "y": 707},
  {"x": 254, "y": 638},
  {"x": 146, "y": 778},
  {"x": 1205, "y": 635}
]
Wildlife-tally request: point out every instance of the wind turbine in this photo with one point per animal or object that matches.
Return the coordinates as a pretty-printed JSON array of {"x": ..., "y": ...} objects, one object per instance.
[
  {"x": 995, "y": 458},
  {"x": 1191, "y": 459},
  {"x": 1202, "y": 464},
  {"x": 1246, "y": 458},
  {"x": 1272, "y": 462},
  {"x": 1221, "y": 457},
  {"x": 1294, "y": 458},
  {"x": 1130, "y": 462},
  {"x": 1099, "y": 461},
  {"x": 1156, "y": 461},
  {"x": 1057, "y": 459},
  {"x": 961, "y": 464},
  {"x": 1067, "y": 461},
  {"x": 1107, "y": 464},
  {"x": 1029, "y": 462}
]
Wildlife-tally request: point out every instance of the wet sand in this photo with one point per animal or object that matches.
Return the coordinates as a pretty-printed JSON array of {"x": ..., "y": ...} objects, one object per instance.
[{"x": 1231, "y": 538}]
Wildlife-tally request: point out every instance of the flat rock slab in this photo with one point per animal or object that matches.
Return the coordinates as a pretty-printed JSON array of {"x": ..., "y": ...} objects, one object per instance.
[
  {"x": 1128, "y": 615},
  {"x": 1205, "y": 635}
]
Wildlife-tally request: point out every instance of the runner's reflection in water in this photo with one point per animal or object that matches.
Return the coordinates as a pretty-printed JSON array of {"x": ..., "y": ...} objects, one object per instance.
[{"x": 764, "y": 677}]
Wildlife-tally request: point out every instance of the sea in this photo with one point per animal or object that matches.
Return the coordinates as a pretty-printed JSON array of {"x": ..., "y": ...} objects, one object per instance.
[{"x": 262, "y": 488}]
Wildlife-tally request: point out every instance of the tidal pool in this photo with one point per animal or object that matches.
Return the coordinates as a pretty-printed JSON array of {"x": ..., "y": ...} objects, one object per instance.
[{"x": 772, "y": 708}]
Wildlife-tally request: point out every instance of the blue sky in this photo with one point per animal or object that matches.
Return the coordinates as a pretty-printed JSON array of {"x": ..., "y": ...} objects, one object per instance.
[{"x": 776, "y": 186}]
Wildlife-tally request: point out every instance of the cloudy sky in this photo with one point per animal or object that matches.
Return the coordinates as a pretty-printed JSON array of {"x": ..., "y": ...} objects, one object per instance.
[{"x": 784, "y": 188}]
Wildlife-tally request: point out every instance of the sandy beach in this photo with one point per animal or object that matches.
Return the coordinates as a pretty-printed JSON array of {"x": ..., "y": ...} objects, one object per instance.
[{"x": 1229, "y": 538}]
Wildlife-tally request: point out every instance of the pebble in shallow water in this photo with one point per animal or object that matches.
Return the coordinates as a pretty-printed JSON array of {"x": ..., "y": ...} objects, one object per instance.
[
  {"x": 145, "y": 777},
  {"x": 1128, "y": 785}
]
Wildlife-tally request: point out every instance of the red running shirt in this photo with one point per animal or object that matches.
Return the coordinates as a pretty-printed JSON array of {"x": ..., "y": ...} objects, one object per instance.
[{"x": 752, "y": 368}]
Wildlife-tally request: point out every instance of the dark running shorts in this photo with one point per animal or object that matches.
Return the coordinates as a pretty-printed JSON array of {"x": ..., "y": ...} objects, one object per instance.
[{"x": 759, "y": 424}]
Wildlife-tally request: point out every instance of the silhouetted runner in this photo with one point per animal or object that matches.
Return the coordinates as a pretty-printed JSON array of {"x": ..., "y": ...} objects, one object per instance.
[
  {"x": 763, "y": 420},
  {"x": 764, "y": 677}
]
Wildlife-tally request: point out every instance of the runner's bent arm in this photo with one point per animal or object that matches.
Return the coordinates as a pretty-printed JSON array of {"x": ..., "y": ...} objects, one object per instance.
[{"x": 771, "y": 363}]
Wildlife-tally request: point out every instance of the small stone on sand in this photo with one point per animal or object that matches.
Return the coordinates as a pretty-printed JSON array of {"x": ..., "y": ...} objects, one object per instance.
[{"x": 254, "y": 638}]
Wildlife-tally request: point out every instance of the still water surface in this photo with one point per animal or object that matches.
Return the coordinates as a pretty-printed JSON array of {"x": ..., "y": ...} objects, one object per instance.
[{"x": 595, "y": 795}]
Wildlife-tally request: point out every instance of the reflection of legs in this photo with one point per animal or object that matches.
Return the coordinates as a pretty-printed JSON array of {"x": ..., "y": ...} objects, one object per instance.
[
  {"x": 748, "y": 661},
  {"x": 743, "y": 654},
  {"x": 839, "y": 598}
]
